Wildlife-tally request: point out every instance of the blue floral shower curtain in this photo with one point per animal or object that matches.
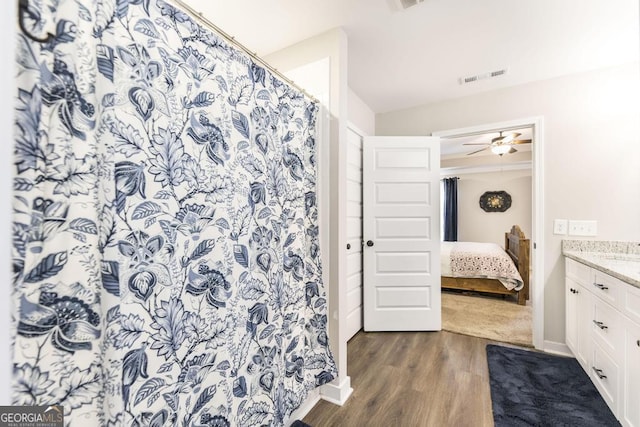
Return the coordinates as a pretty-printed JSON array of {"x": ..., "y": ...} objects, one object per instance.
[{"x": 165, "y": 235}]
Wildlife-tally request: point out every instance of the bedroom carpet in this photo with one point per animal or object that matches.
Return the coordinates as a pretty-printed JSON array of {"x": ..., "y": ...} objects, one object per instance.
[
  {"x": 530, "y": 388},
  {"x": 487, "y": 317}
]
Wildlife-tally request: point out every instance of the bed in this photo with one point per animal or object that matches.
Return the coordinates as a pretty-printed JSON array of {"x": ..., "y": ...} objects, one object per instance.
[{"x": 483, "y": 268}]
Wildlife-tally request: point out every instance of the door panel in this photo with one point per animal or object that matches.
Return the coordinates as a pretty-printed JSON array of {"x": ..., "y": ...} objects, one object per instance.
[
  {"x": 402, "y": 192},
  {"x": 413, "y": 297},
  {"x": 402, "y": 263},
  {"x": 408, "y": 228},
  {"x": 354, "y": 265},
  {"x": 405, "y": 159},
  {"x": 354, "y": 300},
  {"x": 355, "y": 282},
  {"x": 354, "y": 233},
  {"x": 401, "y": 222},
  {"x": 354, "y": 224}
]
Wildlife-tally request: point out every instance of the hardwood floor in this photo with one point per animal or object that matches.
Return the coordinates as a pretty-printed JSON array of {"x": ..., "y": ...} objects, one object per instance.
[{"x": 412, "y": 379}]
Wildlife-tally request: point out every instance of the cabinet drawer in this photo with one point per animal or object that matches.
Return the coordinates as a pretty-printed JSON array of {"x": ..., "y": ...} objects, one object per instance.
[
  {"x": 605, "y": 375},
  {"x": 607, "y": 327},
  {"x": 608, "y": 288},
  {"x": 631, "y": 303},
  {"x": 579, "y": 272}
]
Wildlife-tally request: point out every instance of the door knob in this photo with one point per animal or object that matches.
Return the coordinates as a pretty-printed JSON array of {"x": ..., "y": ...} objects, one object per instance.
[
  {"x": 348, "y": 245},
  {"x": 369, "y": 243}
]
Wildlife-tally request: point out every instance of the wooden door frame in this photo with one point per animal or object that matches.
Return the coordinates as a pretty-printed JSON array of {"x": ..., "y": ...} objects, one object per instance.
[{"x": 537, "y": 221}]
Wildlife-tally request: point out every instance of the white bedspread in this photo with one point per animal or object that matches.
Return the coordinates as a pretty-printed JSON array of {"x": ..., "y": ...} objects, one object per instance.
[{"x": 479, "y": 260}]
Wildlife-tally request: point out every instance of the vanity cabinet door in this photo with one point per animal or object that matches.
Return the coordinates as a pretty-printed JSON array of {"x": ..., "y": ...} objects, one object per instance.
[
  {"x": 571, "y": 320},
  {"x": 631, "y": 375},
  {"x": 579, "y": 310}
]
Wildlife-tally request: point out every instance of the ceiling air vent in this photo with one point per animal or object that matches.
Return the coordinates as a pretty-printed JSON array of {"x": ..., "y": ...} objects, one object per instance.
[
  {"x": 488, "y": 75},
  {"x": 408, "y": 3},
  {"x": 403, "y": 4}
]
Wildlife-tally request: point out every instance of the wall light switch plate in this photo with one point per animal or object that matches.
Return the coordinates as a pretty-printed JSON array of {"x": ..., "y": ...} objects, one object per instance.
[
  {"x": 560, "y": 226},
  {"x": 583, "y": 228}
]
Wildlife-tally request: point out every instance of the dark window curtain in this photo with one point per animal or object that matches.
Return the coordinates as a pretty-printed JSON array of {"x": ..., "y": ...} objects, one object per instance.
[{"x": 450, "y": 209}]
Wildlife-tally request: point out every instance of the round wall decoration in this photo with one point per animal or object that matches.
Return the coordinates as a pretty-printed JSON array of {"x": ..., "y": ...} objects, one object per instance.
[{"x": 495, "y": 201}]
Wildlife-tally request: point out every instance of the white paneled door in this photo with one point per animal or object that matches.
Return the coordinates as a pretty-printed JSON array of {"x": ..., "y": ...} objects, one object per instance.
[
  {"x": 401, "y": 204},
  {"x": 354, "y": 232}
]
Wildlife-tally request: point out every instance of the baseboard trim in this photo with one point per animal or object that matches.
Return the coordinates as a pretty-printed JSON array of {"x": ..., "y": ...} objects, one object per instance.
[
  {"x": 312, "y": 398},
  {"x": 558, "y": 348},
  {"x": 332, "y": 393},
  {"x": 337, "y": 393}
]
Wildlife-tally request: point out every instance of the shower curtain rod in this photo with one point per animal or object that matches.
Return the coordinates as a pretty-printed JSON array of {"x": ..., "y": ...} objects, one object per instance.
[{"x": 200, "y": 17}]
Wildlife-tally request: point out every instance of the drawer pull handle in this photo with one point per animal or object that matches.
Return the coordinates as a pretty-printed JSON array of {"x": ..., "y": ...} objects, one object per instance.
[
  {"x": 600, "y": 324},
  {"x": 601, "y": 286},
  {"x": 638, "y": 343},
  {"x": 599, "y": 373}
]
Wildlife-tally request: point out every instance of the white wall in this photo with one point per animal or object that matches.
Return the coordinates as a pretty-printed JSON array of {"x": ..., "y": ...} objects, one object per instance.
[
  {"x": 591, "y": 155},
  {"x": 332, "y": 45},
  {"x": 8, "y": 94},
  {"x": 361, "y": 115},
  {"x": 476, "y": 225}
]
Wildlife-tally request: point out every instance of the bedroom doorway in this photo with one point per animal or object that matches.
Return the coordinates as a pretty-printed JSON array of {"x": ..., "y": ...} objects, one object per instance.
[{"x": 535, "y": 125}]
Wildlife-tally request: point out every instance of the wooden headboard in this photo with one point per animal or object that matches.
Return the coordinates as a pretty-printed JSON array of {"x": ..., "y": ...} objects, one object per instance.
[{"x": 518, "y": 246}]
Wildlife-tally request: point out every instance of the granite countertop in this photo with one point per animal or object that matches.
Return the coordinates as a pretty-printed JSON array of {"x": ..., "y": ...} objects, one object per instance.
[{"x": 618, "y": 259}]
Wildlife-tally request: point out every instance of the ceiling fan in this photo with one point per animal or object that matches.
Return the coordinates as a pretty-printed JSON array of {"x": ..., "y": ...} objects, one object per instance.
[{"x": 503, "y": 144}]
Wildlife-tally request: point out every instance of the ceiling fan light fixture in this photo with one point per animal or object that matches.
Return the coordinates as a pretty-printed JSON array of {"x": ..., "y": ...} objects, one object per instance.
[
  {"x": 500, "y": 149},
  {"x": 507, "y": 139}
]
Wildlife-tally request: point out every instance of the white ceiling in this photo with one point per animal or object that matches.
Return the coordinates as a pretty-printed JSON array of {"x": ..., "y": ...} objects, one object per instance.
[{"x": 404, "y": 58}]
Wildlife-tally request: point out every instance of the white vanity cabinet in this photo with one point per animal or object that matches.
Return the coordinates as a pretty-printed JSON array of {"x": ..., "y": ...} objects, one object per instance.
[
  {"x": 631, "y": 379},
  {"x": 602, "y": 318},
  {"x": 578, "y": 312}
]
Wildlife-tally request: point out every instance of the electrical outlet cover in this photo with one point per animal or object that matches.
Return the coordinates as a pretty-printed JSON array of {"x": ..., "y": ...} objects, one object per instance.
[
  {"x": 560, "y": 226},
  {"x": 583, "y": 228}
]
